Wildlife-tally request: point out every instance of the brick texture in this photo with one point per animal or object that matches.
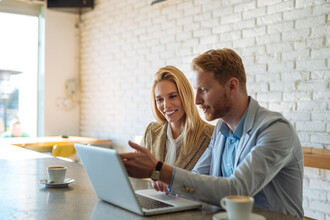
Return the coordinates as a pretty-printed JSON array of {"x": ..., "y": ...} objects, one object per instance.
[{"x": 285, "y": 46}]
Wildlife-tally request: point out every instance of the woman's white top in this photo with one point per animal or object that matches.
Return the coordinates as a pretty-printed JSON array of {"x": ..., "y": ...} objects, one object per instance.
[{"x": 173, "y": 146}]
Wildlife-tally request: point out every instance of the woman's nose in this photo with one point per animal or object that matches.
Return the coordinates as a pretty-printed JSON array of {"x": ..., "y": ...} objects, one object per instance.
[{"x": 167, "y": 103}]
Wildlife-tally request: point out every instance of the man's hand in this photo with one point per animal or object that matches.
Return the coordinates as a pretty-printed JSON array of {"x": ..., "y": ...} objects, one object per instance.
[{"x": 139, "y": 164}]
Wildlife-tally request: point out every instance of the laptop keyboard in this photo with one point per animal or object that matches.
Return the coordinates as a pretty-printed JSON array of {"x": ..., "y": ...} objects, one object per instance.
[{"x": 148, "y": 203}]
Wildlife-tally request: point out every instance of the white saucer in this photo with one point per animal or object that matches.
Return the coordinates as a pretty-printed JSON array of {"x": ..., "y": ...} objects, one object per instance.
[
  {"x": 56, "y": 185},
  {"x": 223, "y": 216}
]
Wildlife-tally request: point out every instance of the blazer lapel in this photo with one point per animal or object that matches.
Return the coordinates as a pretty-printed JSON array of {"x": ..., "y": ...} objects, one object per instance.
[
  {"x": 159, "y": 141},
  {"x": 216, "y": 171},
  {"x": 249, "y": 120}
]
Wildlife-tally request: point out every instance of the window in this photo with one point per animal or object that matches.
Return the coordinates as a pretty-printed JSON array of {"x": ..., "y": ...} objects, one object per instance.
[{"x": 20, "y": 46}]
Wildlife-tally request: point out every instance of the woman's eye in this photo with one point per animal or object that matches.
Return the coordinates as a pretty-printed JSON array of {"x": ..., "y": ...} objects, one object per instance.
[
  {"x": 159, "y": 100},
  {"x": 173, "y": 96}
]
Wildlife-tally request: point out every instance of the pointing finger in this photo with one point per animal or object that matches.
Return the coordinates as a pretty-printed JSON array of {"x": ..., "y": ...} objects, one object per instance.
[{"x": 136, "y": 146}]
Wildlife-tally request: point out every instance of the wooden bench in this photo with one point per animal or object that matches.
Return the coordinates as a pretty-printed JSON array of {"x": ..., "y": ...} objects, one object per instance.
[{"x": 317, "y": 158}]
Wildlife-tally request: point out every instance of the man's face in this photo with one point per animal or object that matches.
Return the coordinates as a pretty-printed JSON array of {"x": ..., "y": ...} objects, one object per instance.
[
  {"x": 212, "y": 97},
  {"x": 17, "y": 130}
]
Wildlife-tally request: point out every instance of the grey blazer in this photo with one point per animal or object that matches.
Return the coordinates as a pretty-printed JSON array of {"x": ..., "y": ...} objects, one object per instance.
[
  {"x": 269, "y": 162},
  {"x": 155, "y": 140}
]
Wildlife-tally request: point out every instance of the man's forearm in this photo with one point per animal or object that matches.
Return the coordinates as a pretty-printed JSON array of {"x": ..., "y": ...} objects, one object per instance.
[{"x": 166, "y": 174}]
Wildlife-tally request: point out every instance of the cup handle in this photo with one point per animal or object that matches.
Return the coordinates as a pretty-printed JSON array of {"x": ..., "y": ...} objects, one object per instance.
[{"x": 223, "y": 203}]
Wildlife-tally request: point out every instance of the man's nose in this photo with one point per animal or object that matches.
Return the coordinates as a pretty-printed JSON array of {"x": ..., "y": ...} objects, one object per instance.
[{"x": 198, "y": 99}]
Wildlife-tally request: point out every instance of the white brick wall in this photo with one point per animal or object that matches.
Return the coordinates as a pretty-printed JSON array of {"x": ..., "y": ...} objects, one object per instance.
[
  {"x": 316, "y": 193},
  {"x": 285, "y": 46}
]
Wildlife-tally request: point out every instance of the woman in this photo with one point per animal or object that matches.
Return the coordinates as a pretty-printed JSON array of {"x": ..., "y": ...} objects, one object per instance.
[{"x": 180, "y": 136}]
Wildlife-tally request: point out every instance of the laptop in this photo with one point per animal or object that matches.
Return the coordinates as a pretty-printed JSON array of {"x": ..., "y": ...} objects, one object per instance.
[{"x": 111, "y": 184}]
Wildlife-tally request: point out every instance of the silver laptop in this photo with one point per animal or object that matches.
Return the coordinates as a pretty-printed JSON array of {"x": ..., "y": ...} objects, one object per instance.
[{"x": 111, "y": 184}]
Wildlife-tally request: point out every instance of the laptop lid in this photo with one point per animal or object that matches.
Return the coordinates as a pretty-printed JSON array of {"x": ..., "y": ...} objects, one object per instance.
[{"x": 110, "y": 182}]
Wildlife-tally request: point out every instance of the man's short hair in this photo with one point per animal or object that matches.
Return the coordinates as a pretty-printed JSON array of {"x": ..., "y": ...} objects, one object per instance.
[{"x": 224, "y": 64}]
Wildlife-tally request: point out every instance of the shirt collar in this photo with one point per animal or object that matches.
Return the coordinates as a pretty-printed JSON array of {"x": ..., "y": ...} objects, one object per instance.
[
  {"x": 170, "y": 137},
  {"x": 239, "y": 129},
  {"x": 225, "y": 130}
]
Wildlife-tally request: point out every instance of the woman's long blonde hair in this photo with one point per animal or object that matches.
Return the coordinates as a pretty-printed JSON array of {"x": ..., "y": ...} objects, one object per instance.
[{"x": 193, "y": 124}]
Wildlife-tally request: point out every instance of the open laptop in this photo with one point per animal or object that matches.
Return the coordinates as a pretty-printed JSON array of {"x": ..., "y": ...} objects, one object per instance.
[{"x": 111, "y": 184}]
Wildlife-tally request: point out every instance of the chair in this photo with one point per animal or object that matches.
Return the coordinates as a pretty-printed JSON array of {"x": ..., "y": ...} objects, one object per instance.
[
  {"x": 64, "y": 151},
  {"x": 40, "y": 147}
]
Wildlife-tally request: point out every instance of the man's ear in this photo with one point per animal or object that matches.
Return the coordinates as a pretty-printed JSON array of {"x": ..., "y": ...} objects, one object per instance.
[{"x": 233, "y": 85}]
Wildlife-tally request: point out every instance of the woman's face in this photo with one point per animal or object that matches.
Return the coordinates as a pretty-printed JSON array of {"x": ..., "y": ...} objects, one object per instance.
[{"x": 169, "y": 103}]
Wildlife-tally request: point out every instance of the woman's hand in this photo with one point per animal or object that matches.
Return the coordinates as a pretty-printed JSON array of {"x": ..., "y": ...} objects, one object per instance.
[{"x": 159, "y": 186}]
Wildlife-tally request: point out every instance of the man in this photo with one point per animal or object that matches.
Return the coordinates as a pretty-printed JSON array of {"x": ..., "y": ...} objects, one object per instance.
[
  {"x": 253, "y": 151},
  {"x": 15, "y": 131}
]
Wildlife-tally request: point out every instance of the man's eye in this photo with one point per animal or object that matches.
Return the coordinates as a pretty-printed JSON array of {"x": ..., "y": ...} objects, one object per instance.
[{"x": 203, "y": 90}]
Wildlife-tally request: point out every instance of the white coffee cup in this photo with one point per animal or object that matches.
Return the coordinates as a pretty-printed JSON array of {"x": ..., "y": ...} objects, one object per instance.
[
  {"x": 238, "y": 207},
  {"x": 56, "y": 174}
]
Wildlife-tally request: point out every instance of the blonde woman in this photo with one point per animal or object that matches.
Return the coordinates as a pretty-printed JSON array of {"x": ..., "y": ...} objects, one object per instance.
[{"x": 180, "y": 136}]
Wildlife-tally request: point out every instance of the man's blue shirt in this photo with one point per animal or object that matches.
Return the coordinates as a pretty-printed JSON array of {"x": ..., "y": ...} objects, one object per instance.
[{"x": 231, "y": 144}]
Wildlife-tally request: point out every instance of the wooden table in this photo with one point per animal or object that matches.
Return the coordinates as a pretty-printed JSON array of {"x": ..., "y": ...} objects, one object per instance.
[
  {"x": 22, "y": 197},
  {"x": 45, "y": 144}
]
